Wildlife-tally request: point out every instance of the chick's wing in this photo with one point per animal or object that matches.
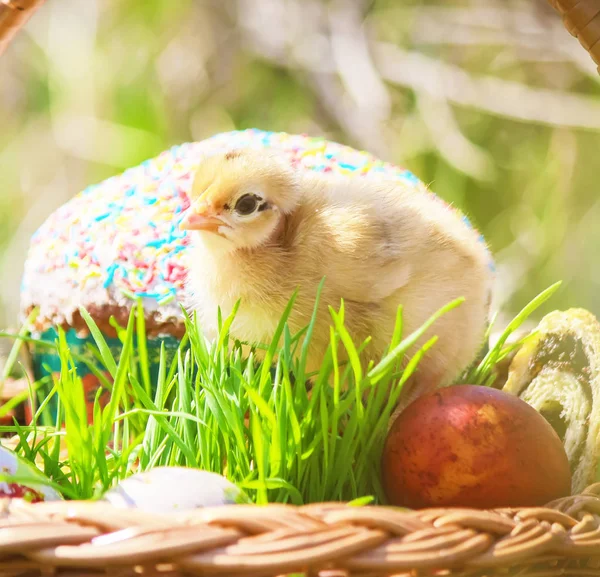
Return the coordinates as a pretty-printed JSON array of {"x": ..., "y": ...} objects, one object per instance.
[{"x": 356, "y": 247}]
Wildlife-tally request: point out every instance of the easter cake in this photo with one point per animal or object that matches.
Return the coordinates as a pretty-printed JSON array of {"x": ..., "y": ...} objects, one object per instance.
[{"x": 119, "y": 241}]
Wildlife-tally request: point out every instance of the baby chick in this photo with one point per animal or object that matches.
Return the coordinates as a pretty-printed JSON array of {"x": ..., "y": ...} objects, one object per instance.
[{"x": 262, "y": 229}]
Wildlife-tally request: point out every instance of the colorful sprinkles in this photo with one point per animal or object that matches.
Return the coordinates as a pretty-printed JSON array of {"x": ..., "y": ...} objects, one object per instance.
[{"x": 119, "y": 240}]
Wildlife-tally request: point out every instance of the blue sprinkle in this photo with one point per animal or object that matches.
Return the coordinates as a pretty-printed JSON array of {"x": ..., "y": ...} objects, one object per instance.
[
  {"x": 149, "y": 295},
  {"x": 407, "y": 175},
  {"x": 102, "y": 216},
  {"x": 156, "y": 243},
  {"x": 150, "y": 200},
  {"x": 176, "y": 235},
  {"x": 110, "y": 274},
  {"x": 348, "y": 166}
]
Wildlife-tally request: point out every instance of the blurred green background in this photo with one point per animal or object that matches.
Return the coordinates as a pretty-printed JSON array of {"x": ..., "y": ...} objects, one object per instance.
[{"x": 493, "y": 104}]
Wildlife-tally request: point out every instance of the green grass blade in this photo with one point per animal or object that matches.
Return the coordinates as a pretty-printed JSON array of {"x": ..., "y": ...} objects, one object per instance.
[{"x": 107, "y": 358}]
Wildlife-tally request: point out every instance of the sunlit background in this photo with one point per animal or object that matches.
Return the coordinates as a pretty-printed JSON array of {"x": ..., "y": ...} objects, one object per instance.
[{"x": 493, "y": 104}]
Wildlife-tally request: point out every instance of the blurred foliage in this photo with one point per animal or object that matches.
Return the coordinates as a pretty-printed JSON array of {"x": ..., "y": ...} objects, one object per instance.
[{"x": 493, "y": 104}]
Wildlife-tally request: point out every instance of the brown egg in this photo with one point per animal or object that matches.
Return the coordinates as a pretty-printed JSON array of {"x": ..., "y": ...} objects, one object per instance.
[{"x": 473, "y": 446}]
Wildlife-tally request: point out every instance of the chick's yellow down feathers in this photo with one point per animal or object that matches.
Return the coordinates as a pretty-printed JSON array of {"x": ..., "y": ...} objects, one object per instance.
[{"x": 261, "y": 229}]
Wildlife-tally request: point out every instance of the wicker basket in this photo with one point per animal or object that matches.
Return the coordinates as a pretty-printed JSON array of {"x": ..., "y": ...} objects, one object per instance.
[
  {"x": 582, "y": 19},
  {"x": 78, "y": 539},
  {"x": 13, "y": 15},
  {"x": 90, "y": 539}
]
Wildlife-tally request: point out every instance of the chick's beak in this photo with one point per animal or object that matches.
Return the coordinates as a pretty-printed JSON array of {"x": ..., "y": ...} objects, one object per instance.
[{"x": 195, "y": 220}]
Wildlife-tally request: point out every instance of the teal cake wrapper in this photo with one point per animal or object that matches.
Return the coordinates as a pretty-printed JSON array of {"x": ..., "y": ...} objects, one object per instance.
[{"x": 46, "y": 362}]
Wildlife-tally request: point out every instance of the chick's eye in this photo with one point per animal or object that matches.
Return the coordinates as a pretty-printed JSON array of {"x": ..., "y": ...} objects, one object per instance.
[{"x": 246, "y": 204}]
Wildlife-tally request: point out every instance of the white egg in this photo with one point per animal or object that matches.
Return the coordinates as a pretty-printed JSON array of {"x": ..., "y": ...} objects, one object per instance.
[
  {"x": 31, "y": 484},
  {"x": 174, "y": 489}
]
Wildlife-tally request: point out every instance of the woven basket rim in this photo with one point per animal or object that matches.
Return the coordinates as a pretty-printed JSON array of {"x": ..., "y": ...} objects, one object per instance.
[{"x": 96, "y": 538}]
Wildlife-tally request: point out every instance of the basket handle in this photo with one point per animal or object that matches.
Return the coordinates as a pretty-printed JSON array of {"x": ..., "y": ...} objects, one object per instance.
[
  {"x": 13, "y": 15},
  {"x": 582, "y": 19}
]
